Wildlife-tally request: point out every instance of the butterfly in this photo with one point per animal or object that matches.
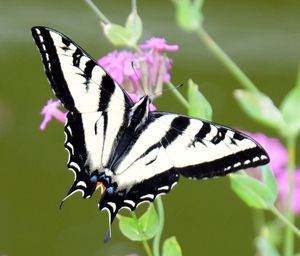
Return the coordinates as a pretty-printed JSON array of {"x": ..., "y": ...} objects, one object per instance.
[{"x": 132, "y": 154}]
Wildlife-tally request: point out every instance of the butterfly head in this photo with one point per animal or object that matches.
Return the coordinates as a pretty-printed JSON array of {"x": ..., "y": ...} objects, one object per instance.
[{"x": 139, "y": 112}]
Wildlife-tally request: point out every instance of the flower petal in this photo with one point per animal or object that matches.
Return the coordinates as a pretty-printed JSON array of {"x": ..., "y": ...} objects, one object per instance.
[{"x": 159, "y": 44}]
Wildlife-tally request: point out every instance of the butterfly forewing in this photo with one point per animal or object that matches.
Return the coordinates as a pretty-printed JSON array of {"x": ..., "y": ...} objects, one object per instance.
[
  {"x": 201, "y": 149},
  {"x": 204, "y": 148}
]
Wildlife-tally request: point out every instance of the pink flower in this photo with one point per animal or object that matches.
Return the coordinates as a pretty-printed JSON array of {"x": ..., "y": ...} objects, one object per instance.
[
  {"x": 158, "y": 45},
  {"x": 51, "y": 110}
]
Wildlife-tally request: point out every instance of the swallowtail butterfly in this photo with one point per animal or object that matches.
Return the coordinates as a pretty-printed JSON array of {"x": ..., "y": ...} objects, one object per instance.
[{"x": 134, "y": 155}]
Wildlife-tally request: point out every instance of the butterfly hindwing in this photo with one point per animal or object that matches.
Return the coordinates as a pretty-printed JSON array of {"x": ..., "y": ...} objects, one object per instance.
[{"x": 145, "y": 191}]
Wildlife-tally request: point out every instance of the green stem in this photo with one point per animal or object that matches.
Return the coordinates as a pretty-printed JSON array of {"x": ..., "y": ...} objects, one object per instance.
[
  {"x": 178, "y": 95},
  {"x": 161, "y": 216},
  {"x": 289, "y": 235},
  {"x": 133, "y": 6},
  {"x": 147, "y": 248},
  {"x": 285, "y": 220},
  {"x": 226, "y": 60},
  {"x": 134, "y": 10},
  {"x": 145, "y": 243},
  {"x": 258, "y": 220},
  {"x": 98, "y": 12}
]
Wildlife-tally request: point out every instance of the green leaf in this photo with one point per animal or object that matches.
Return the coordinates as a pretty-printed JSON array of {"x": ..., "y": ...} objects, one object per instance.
[
  {"x": 270, "y": 181},
  {"x": 135, "y": 26},
  {"x": 261, "y": 108},
  {"x": 189, "y": 14},
  {"x": 140, "y": 229},
  {"x": 129, "y": 228},
  {"x": 290, "y": 108},
  {"x": 252, "y": 191},
  {"x": 149, "y": 222},
  {"x": 171, "y": 247},
  {"x": 117, "y": 35},
  {"x": 199, "y": 105}
]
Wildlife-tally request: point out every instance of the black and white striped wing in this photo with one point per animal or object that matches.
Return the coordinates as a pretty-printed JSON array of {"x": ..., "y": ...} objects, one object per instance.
[
  {"x": 98, "y": 106},
  {"x": 172, "y": 145}
]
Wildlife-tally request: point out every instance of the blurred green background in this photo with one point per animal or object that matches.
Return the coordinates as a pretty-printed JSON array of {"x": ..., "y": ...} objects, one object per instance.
[{"x": 206, "y": 217}]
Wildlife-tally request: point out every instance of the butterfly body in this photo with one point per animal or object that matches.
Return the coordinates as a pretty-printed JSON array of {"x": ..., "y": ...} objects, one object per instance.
[{"x": 133, "y": 154}]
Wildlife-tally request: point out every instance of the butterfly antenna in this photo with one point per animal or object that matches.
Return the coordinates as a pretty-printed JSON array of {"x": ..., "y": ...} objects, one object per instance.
[
  {"x": 138, "y": 78},
  {"x": 176, "y": 87}
]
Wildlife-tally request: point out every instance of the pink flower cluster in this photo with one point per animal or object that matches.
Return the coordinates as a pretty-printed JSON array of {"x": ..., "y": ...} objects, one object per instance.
[
  {"x": 278, "y": 164},
  {"x": 142, "y": 72}
]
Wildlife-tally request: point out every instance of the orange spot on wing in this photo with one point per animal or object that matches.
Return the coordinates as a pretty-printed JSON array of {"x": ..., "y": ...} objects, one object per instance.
[{"x": 100, "y": 184}]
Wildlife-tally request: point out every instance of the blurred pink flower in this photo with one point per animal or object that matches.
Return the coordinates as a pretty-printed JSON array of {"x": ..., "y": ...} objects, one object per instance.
[
  {"x": 278, "y": 164},
  {"x": 51, "y": 110},
  {"x": 277, "y": 152}
]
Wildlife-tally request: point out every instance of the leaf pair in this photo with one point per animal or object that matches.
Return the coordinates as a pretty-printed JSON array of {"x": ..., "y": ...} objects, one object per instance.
[
  {"x": 140, "y": 229},
  {"x": 127, "y": 35}
]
